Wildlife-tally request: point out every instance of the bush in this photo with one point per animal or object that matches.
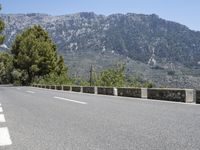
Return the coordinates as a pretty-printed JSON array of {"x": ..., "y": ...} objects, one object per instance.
[{"x": 53, "y": 79}]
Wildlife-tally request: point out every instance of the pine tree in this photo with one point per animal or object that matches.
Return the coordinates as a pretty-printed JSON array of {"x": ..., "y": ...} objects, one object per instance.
[
  {"x": 5, "y": 60},
  {"x": 6, "y": 68},
  {"x": 2, "y": 26},
  {"x": 35, "y": 55}
]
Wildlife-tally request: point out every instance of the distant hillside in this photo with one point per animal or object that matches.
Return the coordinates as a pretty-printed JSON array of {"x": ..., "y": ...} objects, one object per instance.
[{"x": 147, "y": 44}]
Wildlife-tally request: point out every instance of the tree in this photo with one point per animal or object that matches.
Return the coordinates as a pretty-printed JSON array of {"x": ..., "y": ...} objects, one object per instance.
[
  {"x": 2, "y": 26},
  {"x": 6, "y": 68},
  {"x": 35, "y": 55},
  {"x": 5, "y": 60},
  {"x": 114, "y": 77}
]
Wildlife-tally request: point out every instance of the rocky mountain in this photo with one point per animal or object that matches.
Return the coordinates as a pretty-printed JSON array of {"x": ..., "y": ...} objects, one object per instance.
[{"x": 165, "y": 52}]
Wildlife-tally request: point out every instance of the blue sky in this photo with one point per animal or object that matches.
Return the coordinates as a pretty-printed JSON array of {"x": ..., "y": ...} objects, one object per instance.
[{"x": 186, "y": 12}]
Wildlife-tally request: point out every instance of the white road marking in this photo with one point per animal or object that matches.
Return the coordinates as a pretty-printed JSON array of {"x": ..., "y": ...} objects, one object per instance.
[
  {"x": 0, "y": 104},
  {"x": 70, "y": 100},
  {"x": 1, "y": 109},
  {"x": 30, "y": 92},
  {"x": 5, "y": 137},
  {"x": 2, "y": 118},
  {"x": 18, "y": 88}
]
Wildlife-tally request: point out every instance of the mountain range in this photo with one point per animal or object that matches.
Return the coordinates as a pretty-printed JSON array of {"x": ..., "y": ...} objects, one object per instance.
[{"x": 165, "y": 52}]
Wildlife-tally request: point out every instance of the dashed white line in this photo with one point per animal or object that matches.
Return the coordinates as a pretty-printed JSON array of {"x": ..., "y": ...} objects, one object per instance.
[
  {"x": 4, "y": 133},
  {"x": 30, "y": 92},
  {"x": 1, "y": 109},
  {"x": 70, "y": 100},
  {"x": 5, "y": 137},
  {"x": 2, "y": 118}
]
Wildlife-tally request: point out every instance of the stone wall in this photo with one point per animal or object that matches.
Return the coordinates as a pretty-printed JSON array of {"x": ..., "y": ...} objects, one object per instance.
[
  {"x": 53, "y": 87},
  {"x": 66, "y": 88},
  {"x": 105, "y": 91},
  {"x": 89, "y": 90},
  {"x": 58, "y": 87},
  {"x": 198, "y": 96},
  {"x": 76, "y": 88},
  {"x": 177, "y": 95},
  {"x": 129, "y": 92}
]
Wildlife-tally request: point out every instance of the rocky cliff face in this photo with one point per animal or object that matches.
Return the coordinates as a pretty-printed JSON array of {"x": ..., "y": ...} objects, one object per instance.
[{"x": 146, "y": 43}]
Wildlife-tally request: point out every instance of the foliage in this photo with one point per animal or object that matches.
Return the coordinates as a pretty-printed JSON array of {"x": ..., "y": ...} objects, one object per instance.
[
  {"x": 35, "y": 56},
  {"x": 19, "y": 77},
  {"x": 138, "y": 81},
  {"x": 5, "y": 60},
  {"x": 2, "y": 26},
  {"x": 80, "y": 81},
  {"x": 113, "y": 77},
  {"x": 53, "y": 79},
  {"x": 6, "y": 68}
]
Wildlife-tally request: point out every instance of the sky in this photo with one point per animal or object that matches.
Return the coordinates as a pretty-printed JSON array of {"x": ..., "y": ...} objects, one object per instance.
[{"x": 186, "y": 12}]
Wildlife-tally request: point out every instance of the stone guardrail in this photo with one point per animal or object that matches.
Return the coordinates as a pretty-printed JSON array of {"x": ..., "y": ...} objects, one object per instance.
[
  {"x": 129, "y": 92},
  {"x": 76, "y": 88},
  {"x": 166, "y": 94},
  {"x": 198, "y": 96},
  {"x": 90, "y": 90},
  {"x": 105, "y": 90},
  {"x": 59, "y": 87},
  {"x": 53, "y": 87},
  {"x": 66, "y": 88}
]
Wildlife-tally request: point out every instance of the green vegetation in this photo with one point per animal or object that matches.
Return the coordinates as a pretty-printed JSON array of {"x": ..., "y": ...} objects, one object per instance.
[
  {"x": 5, "y": 60},
  {"x": 6, "y": 68},
  {"x": 35, "y": 57},
  {"x": 112, "y": 77},
  {"x": 53, "y": 79},
  {"x": 137, "y": 81},
  {"x": 2, "y": 26}
]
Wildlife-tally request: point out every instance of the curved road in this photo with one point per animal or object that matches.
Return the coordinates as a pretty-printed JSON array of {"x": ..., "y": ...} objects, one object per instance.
[{"x": 40, "y": 119}]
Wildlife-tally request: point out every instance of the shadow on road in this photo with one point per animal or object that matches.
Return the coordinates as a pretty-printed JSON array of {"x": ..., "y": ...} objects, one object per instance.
[{"x": 6, "y": 85}]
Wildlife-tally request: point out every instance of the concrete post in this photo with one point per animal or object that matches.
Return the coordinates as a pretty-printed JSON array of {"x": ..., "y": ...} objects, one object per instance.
[
  {"x": 144, "y": 93},
  {"x": 115, "y": 91},
  {"x": 95, "y": 90},
  {"x": 70, "y": 89},
  {"x": 81, "y": 89},
  {"x": 190, "y": 96}
]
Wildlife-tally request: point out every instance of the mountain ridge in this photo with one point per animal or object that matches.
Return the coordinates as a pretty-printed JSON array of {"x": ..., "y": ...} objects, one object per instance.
[{"x": 87, "y": 38}]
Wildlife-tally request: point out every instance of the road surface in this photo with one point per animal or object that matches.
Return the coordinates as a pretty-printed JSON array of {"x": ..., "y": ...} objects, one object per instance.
[{"x": 40, "y": 119}]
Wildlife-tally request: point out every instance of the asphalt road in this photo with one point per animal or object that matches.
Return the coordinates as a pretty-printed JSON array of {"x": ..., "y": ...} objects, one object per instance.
[{"x": 39, "y": 119}]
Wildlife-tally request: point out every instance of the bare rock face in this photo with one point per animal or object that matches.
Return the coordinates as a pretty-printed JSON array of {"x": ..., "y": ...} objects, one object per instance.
[{"x": 147, "y": 44}]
